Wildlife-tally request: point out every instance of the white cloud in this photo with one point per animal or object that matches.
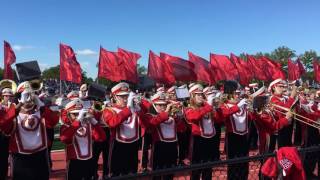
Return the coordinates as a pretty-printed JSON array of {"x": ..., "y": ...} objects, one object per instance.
[
  {"x": 20, "y": 47},
  {"x": 86, "y": 52},
  {"x": 44, "y": 66}
]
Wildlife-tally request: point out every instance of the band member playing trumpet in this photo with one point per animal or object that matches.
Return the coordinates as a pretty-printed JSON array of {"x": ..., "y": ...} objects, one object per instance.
[
  {"x": 164, "y": 134},
  {"x": 125, "y": 121},
  {"x": 26, "y": 123},
  {"x": 201, "y": 116},
  {"x": 277, "y": 88},
  {"x": 7, "y": 99},
  {"x": 236, "y": 116},
  {"x": 79, "y": 131}
]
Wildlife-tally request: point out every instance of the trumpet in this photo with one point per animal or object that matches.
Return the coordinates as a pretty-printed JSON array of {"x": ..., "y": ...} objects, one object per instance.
[
  {"x": 36, "y": 84},
  {"x": 298, "y": 117}
]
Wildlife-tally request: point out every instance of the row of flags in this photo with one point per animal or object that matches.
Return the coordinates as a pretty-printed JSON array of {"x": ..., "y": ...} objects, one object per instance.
[{"x": 168, "y": 69}]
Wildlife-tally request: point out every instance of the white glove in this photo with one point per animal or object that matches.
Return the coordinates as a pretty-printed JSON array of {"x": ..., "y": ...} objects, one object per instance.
[
  {"x": 25, "y": 96},
  {"x": 130, "y": 100},
  {"x": 38, "y": 102},
  {"x": 242, "y": 103},
  {"x": 93, "y": 121},
  {"x": 82, "y": 114},
  {"x": 218, "y": 94},
  {"x": 210, "y": 99}
]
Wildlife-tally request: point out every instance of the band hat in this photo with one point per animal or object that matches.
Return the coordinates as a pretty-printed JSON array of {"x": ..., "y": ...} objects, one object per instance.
[
  {"x": 84, "y": 87},
  {"x": 196, "y": 89},
  {"x": 7, "y": 92},
  {"x": 183, "y": 86},
  {"x": 159, "y": 98},
  {"x": 121, "y": 89},
  {"x": 274, "y": 83},
  {"x": 253, "y": 85},
  {"x": 74, "y": 106},
  {"x": 191, "y": 84},
  {"x": 161, "y": 89},
  {"x": 23, "y": 86},
  {"x": 292, "y": 82},
  {"x": 73, "y": 94},
  {"x": 259, "y": 92},
  {"x": 247, "y": 88},
  {"x": 208, "y": 90},
  {"x": 171, "y": 90}
]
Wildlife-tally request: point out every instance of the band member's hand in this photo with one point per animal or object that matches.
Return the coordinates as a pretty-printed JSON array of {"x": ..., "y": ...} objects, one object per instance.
[
  {"x": 169, "y": 106},
  {"x": 130, "y": 100},
  {"x": 289, "y": 116},
  {"x": 82, "y": 114},
  {"x": 242, "y": 103},
  {"x": 210, "y": 99},
  {"x": 293, "y": 92},
  {"x": 25, "y": 96}
]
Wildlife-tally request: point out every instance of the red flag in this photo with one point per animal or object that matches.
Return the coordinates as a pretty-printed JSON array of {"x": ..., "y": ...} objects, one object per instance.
[
  {"x": 256, "y": 67},
  {"x": 223, "y": 67},
  {"x": 202, "y": 69},
  {"x": 9, "y": 59},
  {"x": 301, "y": 67},
  {"x": 181, "y": 69},
  {"x": 245, "y": 74},
  {"x": 273, "y": 69},
  {"x": 111, "y": 66},
  {"x": 293, "y": 71},
  {"x": 158, "y": 70},
  {"x": 316, "y": 70},
  {"x": 131, "y": 60},
  {"x": 70, "y": 69}
]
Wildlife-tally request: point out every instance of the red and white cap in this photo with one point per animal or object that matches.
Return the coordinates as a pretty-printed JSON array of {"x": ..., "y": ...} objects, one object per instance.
[
  {"x": 74, "y": 106},
  {"x": 318, "y": 93},
  {"x": 247, "y": 88},
  {"x": 161, "y": 89},
  {"x": 259, "y": 92},
  {"x": 207, "y": 90},
  {"x": 191, "y": 84},
  {"x": 84, "y": 87},
  {"x": 171, "y": 90},
  {"x": 253, "y": 85},
  {"x": 291, "y": 83},
  {"x": 23, "y": 86},
  {"x": 121, "y": 89},
  {"x": 196, "y": 89},
  {"x": 73, "y": 94},
  {"x": 276, "y": 83},
  {"x": 159, "y": 98},
  {"x": 7, "y": 92}
]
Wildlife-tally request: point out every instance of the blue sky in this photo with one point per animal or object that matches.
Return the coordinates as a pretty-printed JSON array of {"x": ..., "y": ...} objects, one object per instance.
[{"x": 35, "y": 28}]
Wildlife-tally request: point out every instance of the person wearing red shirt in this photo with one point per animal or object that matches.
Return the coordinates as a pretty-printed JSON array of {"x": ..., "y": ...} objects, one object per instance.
[{"x": 202, "y": 116}]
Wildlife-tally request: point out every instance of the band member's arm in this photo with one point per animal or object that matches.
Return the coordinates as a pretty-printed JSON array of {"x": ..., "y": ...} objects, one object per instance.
[
  {"x": 98, "y": 133},
  {"x": 228, "y": 111},
  {"x": 113, "y": 119},
  {"x": 51, "y": 117},
  {"x": 195, "y": 115},
  {"x": 218, "y": 116},
  {"x": 145, "y": 105},
  {"x": 267, "y": 122},
  {"x": 7, "y": 116},
  {"x": 155, "y": 120},
  {"x": 67, "y": 132}
]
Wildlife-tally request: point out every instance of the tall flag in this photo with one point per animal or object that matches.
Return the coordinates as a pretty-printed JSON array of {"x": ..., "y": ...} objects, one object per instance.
[
  {"x": 70, "y": 69},
  {"x": 130, "y": 63},
  {"x": 301, "y": 67},
  {"x": 9, "y": 59},
  {"x": 223, "y": 67},
  {"x": 159, "y": 71},
  {"x": 273, "y": 69},
  {"x": 316, "y": 70},
  {"x": 202, "y": 68},
  {"x": 257, "y": 69},
  {"x": 181, "y": 69},
  {"x": 111, "y": 66},
  {"x": 245, "y": 74},
  {"x": 295, "y": 70}
]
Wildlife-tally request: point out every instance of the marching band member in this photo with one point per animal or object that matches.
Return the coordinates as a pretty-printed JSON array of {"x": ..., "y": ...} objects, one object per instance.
[
  {"x": 7, "y": 100},
  {"x": 277, "y": 88},
  {"x": 202, "y": 116},
  {"x": 26, "y": 123},
  {"x": 127, "y": 127},
  {"x": 164, "y": 134},
  {"x": 236, "y": 118},
  {"x": 78, "y": 132}
]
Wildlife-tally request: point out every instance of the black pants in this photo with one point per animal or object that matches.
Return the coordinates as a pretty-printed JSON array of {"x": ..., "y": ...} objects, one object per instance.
[
  {"x": 203, "y": 151},
  {"x": 273, "y": 142},
  {"x": 237, "y": 146},
  {"x": 98, "y": 148},
  {"x": 253, "y": 136},
  {"x": 311, "y": 158},
  {"x": 33, "y": 166},
  {"x": 50, "y": 136},
  {"x": 297, "y": 134},
  {"x": 80, "y": 169},
  {"x": 4, "y": 154},
  {"x": 165, "y": 155},
  {"x": 285, "y": 136},
  {"x": 147, "y": 141},
  {"x": 183, "y": 143},
  {"x": 124, "y": 158}
]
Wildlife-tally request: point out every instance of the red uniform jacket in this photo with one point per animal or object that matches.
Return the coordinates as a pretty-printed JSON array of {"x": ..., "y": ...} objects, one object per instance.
[
  {"x": 23, "y": 130},
  {"x": 281, "y": 101},
  {"x": 201, "y": 119},
  {"x": 119, "y": 118}
]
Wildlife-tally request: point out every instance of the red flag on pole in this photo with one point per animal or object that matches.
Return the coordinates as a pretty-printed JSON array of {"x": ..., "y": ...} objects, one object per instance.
[
  {"x": 202, "y": 68},
  {"x": 130, "y": 63},
  {"x": 293, "y": 71},
  {"x": 181, "y": 69},
  {"x": 257, "y": 69},
  {"x": 223, "y": 67},
  {"x": 273, "y": 68},
  {"x": 9, "y": 59},
  {"x": 70, "y": 69},
  {"x": 245, "y": 74},
  {"x": 111, "y": 66},
  {"x": 301, "y": 67},
  {"x": 316, "y": 70}
]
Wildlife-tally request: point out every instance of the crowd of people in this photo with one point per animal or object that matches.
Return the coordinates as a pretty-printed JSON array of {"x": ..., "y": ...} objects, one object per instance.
[{"x": 171, "y": 127}]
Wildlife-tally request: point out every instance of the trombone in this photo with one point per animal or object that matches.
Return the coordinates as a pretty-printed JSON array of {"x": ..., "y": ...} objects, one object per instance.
[{"x": 298, "y": 117}]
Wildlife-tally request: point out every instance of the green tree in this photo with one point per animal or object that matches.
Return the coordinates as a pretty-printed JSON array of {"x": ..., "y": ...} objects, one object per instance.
[
  {"x": 282, "y": 54},
  {"x": 142, "y": 70},
  {"x": 307, "y": 59},
  {"x": 52, "y": 72}
]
